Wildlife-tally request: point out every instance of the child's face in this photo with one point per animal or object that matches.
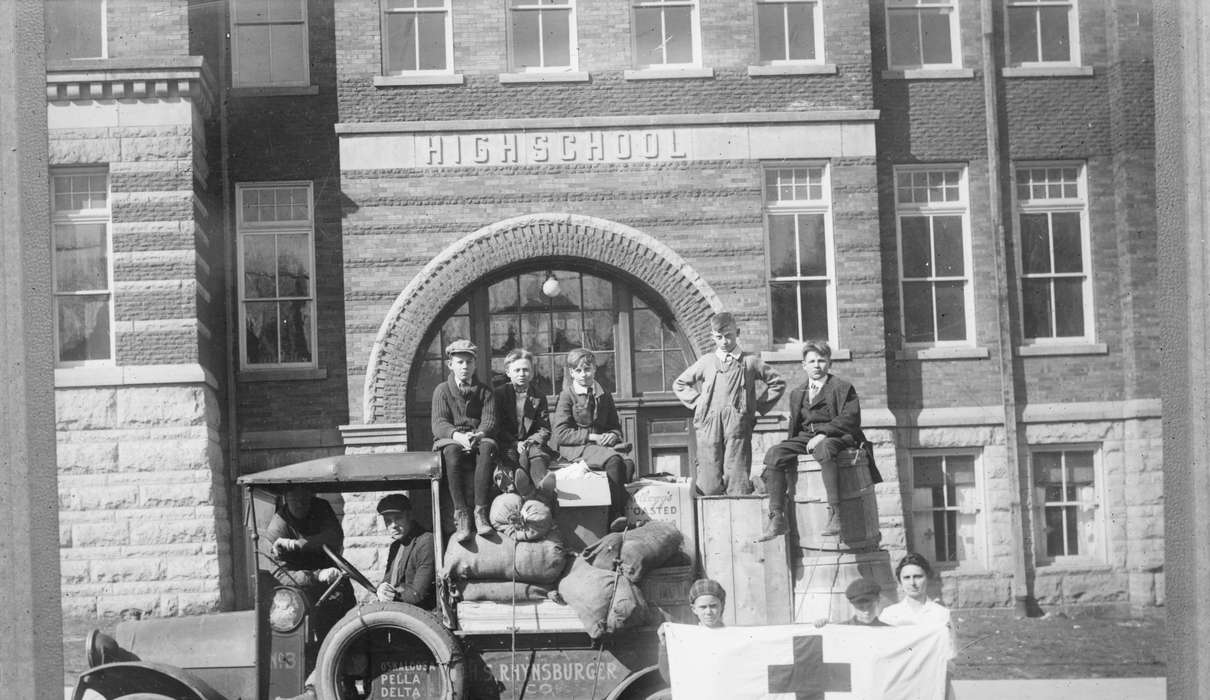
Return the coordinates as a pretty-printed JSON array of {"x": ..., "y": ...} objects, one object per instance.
[
  {"x": 462, "y": 366},
  {"x": 709, "y": 610},
  {"x": 913, "y": 581},
  {"x": 865, "y": 608},
  {"x": 725, "y": 338},
  {"x": 521, "y": 373},
  {"x": 583, "y": 373},
  {"x": 816, "y": 365}
]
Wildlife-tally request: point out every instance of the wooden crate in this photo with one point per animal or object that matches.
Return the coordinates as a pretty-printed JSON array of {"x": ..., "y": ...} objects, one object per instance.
[{"x": 756, "y": 575}]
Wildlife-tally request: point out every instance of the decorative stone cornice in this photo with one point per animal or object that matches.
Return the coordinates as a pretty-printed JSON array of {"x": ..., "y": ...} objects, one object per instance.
[{"x": 156, "y": 77}]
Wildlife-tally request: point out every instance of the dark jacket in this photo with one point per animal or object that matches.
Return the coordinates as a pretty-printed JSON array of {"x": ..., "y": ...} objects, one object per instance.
[
  {"x": 513, "y": 428},
  {"x": 835, "y": 412},
  {"x": 319, "y": 527},
  {"x": 414, "y": 576},
  {"x": 575, "y": 419},
  {"x": 453, "y": 412}
]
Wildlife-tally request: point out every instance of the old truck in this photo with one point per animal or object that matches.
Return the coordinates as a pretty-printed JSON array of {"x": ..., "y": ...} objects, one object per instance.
[{"x": 377, "y": 649}]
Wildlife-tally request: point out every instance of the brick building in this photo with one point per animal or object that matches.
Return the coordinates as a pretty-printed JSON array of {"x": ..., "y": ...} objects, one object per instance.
[{"x": 269, "y": 217}]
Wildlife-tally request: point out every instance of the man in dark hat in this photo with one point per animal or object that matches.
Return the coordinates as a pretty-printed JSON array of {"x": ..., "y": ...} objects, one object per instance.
[
  {"x": 863, "y": 595},
  {"x": 410, "y": 567}
]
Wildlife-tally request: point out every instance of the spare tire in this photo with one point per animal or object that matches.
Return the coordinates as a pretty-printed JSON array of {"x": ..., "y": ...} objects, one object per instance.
[{"x": 351, "y": 635}]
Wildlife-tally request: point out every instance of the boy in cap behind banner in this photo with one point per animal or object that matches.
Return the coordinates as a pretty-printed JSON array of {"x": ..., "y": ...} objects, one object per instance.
[
  {"x": 464, "y": 431},
  {"x": 707, "y": 599},
  {"x": 863, "y": 595}
]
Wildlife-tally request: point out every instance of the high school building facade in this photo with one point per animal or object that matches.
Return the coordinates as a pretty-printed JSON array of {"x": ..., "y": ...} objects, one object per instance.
[{"x": 270, "y": 216}]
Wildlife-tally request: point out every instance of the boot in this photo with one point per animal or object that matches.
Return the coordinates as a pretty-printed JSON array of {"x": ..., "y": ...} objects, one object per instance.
[
  {"x": 523, "y": 484},
  {"x": 308, "y": 693},
  {"x": 483, "y": 522},
  {"x": 832, "y": 527},
  {"x": 548, "y": 483},
  {"x": 775, "y": 526},
  {"x": 462, "y": 525}
]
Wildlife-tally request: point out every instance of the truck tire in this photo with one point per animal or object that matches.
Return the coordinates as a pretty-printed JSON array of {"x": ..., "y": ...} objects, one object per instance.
[{"x": 421, "y": 624}]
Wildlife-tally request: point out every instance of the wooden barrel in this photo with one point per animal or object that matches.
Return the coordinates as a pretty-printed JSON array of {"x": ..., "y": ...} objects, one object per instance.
[
  {"x": 820, "y": 581},
  {"x": 858, "y": 505}
]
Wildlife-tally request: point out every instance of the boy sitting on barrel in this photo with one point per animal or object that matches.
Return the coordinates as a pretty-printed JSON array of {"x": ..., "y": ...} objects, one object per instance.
[{"x": 825, "y": 418}]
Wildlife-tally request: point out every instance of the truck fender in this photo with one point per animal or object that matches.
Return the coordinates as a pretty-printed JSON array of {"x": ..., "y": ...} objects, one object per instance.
[
  {"x": 143, "y": 678},
  {"x": 424, "y": 625},
  {"x": 644, "y": 684}
]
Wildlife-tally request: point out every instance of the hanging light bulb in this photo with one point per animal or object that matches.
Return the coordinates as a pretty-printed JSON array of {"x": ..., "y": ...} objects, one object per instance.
[{"x": 551, "y": 286}]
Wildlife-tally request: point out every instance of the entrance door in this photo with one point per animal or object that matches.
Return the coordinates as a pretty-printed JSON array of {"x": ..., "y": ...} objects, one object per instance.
[{"x": 550, "y": 311}]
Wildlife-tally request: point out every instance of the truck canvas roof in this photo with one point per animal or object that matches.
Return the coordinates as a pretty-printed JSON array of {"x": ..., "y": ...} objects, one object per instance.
[{"x": 357, "y": 472}]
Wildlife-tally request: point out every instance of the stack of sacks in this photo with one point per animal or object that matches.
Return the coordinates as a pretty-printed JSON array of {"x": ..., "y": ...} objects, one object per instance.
[
  {"x": 636, "y": 551},
  {"x": 603, "y": 600},
  {"x": 522, "y": 563}
]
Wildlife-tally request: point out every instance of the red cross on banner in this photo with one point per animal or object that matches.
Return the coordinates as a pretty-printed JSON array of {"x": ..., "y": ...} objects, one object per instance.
[{"x": 808, "y": 677}]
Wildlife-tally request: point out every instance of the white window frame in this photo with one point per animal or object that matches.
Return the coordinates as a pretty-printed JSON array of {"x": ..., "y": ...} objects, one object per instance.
[
  {"x": 104, "y": 31},
  {"x": 914, "y": 6},
  {"x": 246, "y": 229},
  {"x": 1078, "y": 204},
  {"x": 976, "y": 508},
  {"x": 1073, "y": 33},
  {"x": 695, "y": 28},
  {"x": 1100, "y": 549},
  {"x": 304, "y": 81},
  {"x": 817, "y": 15},
  {"x": 573, "y": 51},
  {"x": 446, "y": 9},
  {"x": 960, "y": 208},
  {"x": 84, "y": 216},
  {"x": 823, "y": 205}
]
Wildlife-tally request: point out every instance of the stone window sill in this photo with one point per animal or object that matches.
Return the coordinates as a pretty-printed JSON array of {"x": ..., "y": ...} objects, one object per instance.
[
  {"x": 550, "y": 77},
  {"x": 668, "y": 73},
  {"x": 943, "y": 353},
  {"x": 1047, "y": 72},
  {"x": 793, "y": 354},
  {"x": 1056, "y": 350},
  {"x": 282, "y": 374},
  {"x": 928, "y": 74},
  {"x": 419, "y": 79},
  {"x": 793, "y": 69},
  {"x": 275, "y": 91}
]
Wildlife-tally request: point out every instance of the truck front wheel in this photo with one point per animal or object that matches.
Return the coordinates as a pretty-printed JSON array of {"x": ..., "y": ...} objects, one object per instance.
[{"x": 390, "y": 645}]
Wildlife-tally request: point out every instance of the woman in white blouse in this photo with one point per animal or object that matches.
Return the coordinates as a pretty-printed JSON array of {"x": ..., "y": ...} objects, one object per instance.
[{"x": 915, "y": 608}]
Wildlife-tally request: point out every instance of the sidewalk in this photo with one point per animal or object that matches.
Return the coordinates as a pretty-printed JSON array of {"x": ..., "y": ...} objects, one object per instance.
[{"x": 1063, "y": 689}]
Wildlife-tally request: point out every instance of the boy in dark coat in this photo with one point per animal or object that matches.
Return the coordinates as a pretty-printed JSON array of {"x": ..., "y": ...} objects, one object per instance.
[
  {"x": 525, "y": 427},
  {"x": 825, "y": 418},
  {"x": 464, "y": 432},
  {"x": 410, "y": 570}
]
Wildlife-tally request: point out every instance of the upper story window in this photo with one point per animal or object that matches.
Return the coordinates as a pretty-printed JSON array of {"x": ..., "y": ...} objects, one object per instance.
[
  {"x": 417, "y": 35},
  {"x": 269, "y": 43},
  {"x": 798, "y": 222},
  {"x": 934, "y": 254},
  {"x": 665, "y": 33},
  {"x": 1056, "y": 287},
  {"x": 946, "y": 508},
  {"x": 789, "y": 31},
  {"x": 276, "y": 227},
  {"x": 83, "y": 279},
  {"x": 1042, "y": 32},
  {"x": 75, "y": 29},
  {"x": 922, "y": 34},
  {"x": 542, "y": 34},
  {"x": 1067, "y": 504}
]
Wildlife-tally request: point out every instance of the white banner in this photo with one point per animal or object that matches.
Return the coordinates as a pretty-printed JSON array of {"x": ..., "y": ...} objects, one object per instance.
[{"x": 802, "y": 662}]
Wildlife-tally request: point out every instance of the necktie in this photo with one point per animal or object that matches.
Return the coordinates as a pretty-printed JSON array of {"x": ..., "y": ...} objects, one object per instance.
[{"x": 814, "y": 391}]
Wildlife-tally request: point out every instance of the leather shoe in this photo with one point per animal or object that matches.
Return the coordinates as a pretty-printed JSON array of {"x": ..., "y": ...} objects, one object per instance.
[
  {"x": 462, "y": 525},
  {"x": 483, "y": 523},
  {"x": 523, "y": 484},
  {"x": 775, "y": 526},
  {"x": 832, "y": 527},
  {"x": 618, "y": 524}
]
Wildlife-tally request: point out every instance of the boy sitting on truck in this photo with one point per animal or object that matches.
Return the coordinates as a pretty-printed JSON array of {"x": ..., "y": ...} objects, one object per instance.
[
  {"x": 464, "y": 431},
  {"x": 525, "y": 428}
]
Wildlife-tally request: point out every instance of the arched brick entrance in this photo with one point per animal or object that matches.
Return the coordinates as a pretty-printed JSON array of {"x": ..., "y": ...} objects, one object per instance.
[{"x": 518, "y": 240}]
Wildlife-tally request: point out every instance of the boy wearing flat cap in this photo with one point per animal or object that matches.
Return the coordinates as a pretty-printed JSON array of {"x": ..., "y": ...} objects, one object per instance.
[
  {"x": 707, "y": 599},
  {"x": 410, "y": 569},
  {"x": 464, "y": 431},
  {"x": 863, "y": 595}
]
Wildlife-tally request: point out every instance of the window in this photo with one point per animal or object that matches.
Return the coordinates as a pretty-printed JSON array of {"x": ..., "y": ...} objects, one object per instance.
[
  {"x": 798, "y": 219},
  {"x": 665, "y": 33},
  {"x": 277, "y": 285},
  {"x": 1066, "y": 501},
  {"x": 1056, "y": 288},
  {"x": 269, "y": 43},
  {"x": 75, "y": 29},
  {"x": 946, "y": 509},
  {"x": 788, "y": 31},
  {"x": 543, "y": 34},
  {"x": 83, "y": 297},
  {"x": 417, "y": 35},
  {"x": 922, "y": 34},
  {"x": 934, "y": 255},
  {"x": 1042, "y": 32}
]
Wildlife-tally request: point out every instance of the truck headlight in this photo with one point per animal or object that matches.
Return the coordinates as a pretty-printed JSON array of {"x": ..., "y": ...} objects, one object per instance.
[{"x": 288, "y": 609}]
